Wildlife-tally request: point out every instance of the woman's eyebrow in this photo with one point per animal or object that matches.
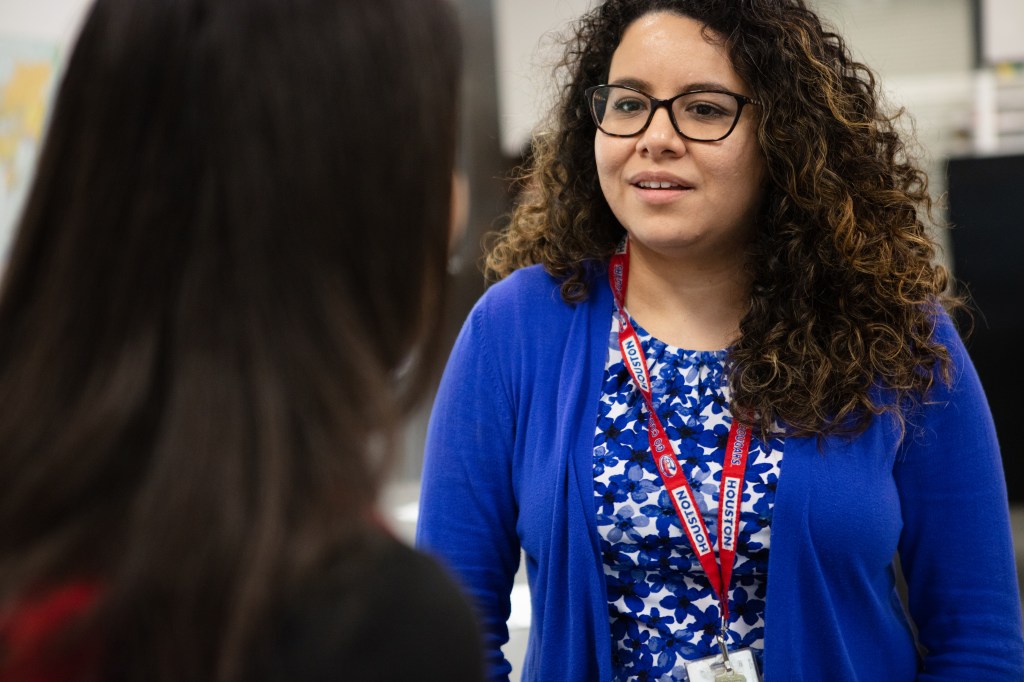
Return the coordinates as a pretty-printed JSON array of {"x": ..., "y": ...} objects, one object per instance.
[
  {"x": 707, "y": 85},
  {"x": 641, "y": 84},
  {"x": 632, "y": 83}
]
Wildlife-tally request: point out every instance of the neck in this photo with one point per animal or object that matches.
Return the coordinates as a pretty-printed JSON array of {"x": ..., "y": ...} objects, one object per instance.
[{"x": 696, "y": 305}]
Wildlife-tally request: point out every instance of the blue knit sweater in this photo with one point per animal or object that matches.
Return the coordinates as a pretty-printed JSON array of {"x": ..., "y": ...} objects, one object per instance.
[{"x": 509, "y": 466}]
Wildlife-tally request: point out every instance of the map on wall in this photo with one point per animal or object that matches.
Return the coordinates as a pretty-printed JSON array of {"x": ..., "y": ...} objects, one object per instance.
[{"x": 26, "y": 80}]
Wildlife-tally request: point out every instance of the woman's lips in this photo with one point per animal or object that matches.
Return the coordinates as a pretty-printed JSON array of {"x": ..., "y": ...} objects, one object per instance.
[
  {"x": 660, "y": 191},
  {"x": 659, "y": 184}
]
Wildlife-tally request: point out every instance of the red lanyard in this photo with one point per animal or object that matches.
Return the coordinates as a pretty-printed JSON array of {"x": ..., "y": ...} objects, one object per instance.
[{"x": 730, "y": 496}]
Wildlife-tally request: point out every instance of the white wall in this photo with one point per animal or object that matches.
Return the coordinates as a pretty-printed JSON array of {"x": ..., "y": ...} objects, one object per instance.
[
  {"x": 45, "y": 20},
  {"x": 1002, "y": 29},
  {"x": 898, "y": 37},
  {"x": 526, "y": 34},
  {"x": 34, "y": 34}
]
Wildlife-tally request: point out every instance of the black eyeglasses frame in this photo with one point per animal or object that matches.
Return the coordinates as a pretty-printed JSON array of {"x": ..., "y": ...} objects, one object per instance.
[{"x": 741, "y": 100}]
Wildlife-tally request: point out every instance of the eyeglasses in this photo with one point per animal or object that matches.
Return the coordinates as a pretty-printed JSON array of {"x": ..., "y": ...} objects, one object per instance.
[{"x": 702, "y": 115}]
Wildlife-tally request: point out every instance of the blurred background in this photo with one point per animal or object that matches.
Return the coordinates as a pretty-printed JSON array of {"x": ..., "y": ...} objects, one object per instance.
[{"x": 957, "y": 66}]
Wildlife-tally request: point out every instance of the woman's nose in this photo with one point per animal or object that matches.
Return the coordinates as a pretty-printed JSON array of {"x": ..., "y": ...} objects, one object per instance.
[{"x": 660, "y": 136}]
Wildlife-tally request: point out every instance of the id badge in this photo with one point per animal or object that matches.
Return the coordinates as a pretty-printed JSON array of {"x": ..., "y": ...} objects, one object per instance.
[{"x": 712, "y": 668}]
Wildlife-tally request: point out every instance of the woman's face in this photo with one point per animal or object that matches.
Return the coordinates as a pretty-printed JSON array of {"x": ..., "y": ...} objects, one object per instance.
[{"x": 715, "y": 188}]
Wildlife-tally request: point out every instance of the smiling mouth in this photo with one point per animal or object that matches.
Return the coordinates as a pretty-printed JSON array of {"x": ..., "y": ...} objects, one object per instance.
[{"x": 647, "y": 184}]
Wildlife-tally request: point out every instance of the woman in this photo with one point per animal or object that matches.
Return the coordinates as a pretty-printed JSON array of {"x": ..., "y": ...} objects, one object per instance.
[
  {"x": 715, "y": 395},
  {"x": 215, "y": 317}
]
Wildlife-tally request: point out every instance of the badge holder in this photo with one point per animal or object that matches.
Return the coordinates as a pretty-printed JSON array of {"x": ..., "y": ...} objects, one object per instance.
[{"x": 738, "y": 666}]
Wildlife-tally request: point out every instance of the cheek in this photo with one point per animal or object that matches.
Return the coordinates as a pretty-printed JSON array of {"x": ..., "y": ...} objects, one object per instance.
[
  {"x": 746, "y": 174},
  {"x": 608, "y": 159}
]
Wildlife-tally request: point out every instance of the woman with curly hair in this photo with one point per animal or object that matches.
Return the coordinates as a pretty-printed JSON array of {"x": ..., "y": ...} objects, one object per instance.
[{"x": 716, "y": 398}]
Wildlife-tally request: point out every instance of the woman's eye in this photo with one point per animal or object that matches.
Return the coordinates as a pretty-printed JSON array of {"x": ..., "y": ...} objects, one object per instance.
[
  {"x": 629, "y": 106},
  {"x": 704, "y": 110}
]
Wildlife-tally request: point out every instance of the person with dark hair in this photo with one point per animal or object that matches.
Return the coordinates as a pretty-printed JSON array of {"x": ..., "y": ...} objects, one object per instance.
[
  {"x": 221, "y": 304},
  {"x": 716, "y": 398}
]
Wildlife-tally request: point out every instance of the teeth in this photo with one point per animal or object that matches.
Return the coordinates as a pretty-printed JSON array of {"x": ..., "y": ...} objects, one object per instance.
[{"x": 646, "y": 184}]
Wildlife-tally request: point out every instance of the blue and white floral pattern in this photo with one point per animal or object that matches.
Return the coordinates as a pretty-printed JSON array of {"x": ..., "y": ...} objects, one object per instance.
[{"x": 662, "y": 609}]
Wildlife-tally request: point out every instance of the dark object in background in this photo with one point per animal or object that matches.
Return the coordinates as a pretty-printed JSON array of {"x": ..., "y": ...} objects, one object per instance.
[{"x": 987, "y": 213}]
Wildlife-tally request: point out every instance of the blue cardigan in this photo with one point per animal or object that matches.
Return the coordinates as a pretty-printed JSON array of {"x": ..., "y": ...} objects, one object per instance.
[{"x": 509, "y": 466}]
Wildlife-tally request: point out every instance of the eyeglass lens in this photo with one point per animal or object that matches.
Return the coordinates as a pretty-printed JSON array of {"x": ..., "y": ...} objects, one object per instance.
[{"x": 698, "y": 115}]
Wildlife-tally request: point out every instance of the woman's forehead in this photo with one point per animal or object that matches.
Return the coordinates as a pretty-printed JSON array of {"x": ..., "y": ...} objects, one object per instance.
[{"x": 665, "y": 50}]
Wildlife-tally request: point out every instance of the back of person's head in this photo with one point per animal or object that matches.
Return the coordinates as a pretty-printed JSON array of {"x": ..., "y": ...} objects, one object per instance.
[{"x": 220, "y": 301}]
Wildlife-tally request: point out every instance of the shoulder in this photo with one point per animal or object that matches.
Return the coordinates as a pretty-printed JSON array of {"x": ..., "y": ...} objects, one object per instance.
[
  {"x": 532, "y": 293},
  {"x": 524, "y": 289},
  {"x": 944, "y": 332},
  {"x": 387, "y": 612},
  {"x": 962, "y": 379},
  {"x": 955, "y": 405}
]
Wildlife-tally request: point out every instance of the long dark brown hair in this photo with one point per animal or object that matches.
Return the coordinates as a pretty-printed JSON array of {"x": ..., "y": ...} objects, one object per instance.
[
  {"x": 845, "y": 288},
  {"x": 220, "y": 304}
]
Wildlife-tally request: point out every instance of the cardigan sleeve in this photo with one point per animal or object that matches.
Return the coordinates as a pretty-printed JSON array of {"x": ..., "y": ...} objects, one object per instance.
[
  {"x": 956, "y": 548},
  {"x": 468, "y": 507}
]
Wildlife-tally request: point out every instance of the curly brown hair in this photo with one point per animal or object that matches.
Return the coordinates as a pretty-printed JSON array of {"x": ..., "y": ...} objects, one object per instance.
[{"x": 845, "y": 292}]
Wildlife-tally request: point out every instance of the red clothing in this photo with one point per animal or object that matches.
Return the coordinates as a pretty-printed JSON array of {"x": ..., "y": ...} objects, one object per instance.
[{"x": 27, "y": 633}]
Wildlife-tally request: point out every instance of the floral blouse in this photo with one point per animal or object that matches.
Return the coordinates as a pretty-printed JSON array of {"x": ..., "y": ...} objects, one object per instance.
[{"x": 661, "y": 605}]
